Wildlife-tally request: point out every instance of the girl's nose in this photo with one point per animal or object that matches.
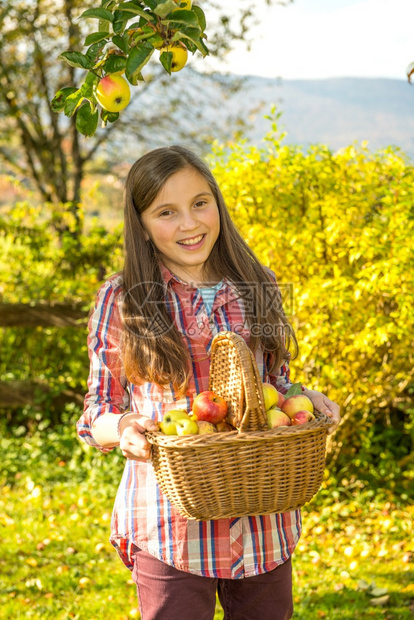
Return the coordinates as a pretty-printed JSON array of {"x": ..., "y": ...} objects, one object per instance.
[{"x": 188, "y": 221}]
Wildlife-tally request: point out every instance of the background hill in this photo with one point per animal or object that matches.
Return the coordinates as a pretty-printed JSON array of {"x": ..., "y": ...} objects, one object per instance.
[{"x": 336, "y": 112}]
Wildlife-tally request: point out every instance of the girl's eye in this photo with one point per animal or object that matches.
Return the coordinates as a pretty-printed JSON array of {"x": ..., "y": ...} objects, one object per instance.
[
  {"x": 165, "y": 213},
  {"x": 200, "y": 203}
]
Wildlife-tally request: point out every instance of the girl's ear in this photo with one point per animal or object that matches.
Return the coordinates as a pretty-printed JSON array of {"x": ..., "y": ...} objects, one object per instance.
[{"x": 146, "y": 235}]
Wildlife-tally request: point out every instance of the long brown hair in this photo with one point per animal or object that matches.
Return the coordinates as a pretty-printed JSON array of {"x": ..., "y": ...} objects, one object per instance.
[{"x": 153, "y": 348}]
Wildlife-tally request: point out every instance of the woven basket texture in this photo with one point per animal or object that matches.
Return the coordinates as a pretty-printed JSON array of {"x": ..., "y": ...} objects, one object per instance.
[{"x": 250, "y": 471}]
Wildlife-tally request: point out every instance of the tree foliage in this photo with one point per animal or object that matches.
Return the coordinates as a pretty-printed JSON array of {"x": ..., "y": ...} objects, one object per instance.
[
  {"x": 42, "y": 147},
  {"x": 338, "y": 227}
]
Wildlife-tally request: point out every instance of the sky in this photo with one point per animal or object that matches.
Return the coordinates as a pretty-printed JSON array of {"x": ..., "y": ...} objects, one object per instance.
[{"x": 317, "y": 39}]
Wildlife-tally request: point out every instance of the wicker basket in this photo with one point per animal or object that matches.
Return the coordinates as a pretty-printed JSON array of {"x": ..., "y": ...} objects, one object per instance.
[{"x": 251, "y": 471}]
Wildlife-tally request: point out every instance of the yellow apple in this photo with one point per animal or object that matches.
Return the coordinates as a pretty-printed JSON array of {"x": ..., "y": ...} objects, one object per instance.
[
  {"x": 169, "y": 422},
  {"x": 187, "y": 6},
  {"x": 180, "y": 56},
  {"x": 113, "y": 93},
  {"x": 186, "y": 427},
  {"x": 272, "y": 398},
  {"x": 276, "y": 417},
  {"x": 270, "y": 394}
]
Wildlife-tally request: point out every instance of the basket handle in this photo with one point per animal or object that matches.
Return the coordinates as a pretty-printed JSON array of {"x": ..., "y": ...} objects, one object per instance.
[
  {"x": 247, "y": 411},
  {"x": 254, "y": 417}
]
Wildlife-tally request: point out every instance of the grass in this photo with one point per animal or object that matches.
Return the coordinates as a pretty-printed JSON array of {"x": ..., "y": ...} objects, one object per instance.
[{"x": 355, "y": 559}]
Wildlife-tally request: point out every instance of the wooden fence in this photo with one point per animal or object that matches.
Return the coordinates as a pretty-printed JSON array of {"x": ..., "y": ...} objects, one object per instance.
[{"x": 15, "y": 394}]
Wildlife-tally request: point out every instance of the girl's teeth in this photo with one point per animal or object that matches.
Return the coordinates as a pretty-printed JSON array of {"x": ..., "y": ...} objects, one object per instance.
[{"x": 192, "y": 241}]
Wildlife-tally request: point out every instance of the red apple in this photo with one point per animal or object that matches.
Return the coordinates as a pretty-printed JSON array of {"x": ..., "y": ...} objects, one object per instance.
[
  {"x": 299, "y": 402},
  {"x": 113, "y": 93},
  {"x": 301, "y": 417},
  {"x": 210, "y": 407}
]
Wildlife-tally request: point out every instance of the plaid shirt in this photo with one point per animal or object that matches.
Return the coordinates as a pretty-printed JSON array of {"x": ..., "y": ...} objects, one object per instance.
[{"x": 142, "y": 515}]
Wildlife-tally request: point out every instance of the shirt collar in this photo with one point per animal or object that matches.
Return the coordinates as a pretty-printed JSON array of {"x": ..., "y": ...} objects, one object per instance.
[{"x": 170, "y": 279}]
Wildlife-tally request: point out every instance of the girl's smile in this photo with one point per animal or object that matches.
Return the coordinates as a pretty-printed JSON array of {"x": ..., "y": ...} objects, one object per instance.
[
  {"x": 193, "y": 243},
  {"x": 183, "y": 222}
]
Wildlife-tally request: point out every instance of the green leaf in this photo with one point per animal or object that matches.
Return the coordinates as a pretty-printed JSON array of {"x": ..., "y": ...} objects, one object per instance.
[
  {"x": 99, "y": 13},
  {"x": 182, "y": 17},
  {"x": 109, "y": 117},
  {"x": 166, "y": 61},
  {"x": 86, "y": 120},
  {"x": 164, "y": 8},
  {"x": 104, "y": 25},
  {"x": 200, "y": 16},
  {"x": 87, "y": 87},
  {"x": 123, "y": 16},
  {"x": 202, "y": 47},
  {"x": 114, "y": 63},
  {"x": 138, "y": 57},
  {"x": 95, "y": 37},
  {"x": 94, "y": 50},
  {"x": 58, "y": 102},
  {"x": 119, "y": 25},
  {"x": 137, "y": 77},
  {"x": 156, "y": 41},
  {"x": 120, "y": 41},
  {"x": 76, "y": 59},
  {"x": 295, "y": 388},
  {"x": 188, "y": 43},
  {"x": 193, "y": 35},
  {"x": 72, "y": 102},
  {"x": 131, "y": 7}
]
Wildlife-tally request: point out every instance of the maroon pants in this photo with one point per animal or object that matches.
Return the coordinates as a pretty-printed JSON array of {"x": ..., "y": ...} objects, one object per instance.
[{"x": 165, "y": 593}]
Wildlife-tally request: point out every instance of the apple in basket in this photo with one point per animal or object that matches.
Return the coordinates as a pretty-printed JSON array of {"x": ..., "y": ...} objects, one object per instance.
[
  {"x": 298, "y": 402},
  {"x": 301, "y": 417},
  {"x": 178, "y": 422},
  {"x": 225, "y": 427},
  {"x": 209, "y": 407},
  {"x": 272, "y": 398},
  {"x": 204, "y": 428},
  {"x": 276, "y": 417}
]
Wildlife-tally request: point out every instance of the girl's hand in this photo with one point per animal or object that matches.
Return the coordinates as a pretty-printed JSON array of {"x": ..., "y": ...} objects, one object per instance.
[
  {"x": 325, "y": 405},
  {"x": 133, "y": 443}
]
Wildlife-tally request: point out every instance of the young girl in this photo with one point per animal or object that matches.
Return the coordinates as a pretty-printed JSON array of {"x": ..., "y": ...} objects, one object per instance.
[{"x": 188, "y": 274}]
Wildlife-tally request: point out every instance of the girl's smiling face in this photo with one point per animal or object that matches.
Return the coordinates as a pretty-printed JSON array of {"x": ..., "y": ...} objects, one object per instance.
[{"x": 183, "y": 222}]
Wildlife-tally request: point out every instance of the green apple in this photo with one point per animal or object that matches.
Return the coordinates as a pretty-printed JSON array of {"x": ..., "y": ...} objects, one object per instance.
[{"x": 113, "y": 93}]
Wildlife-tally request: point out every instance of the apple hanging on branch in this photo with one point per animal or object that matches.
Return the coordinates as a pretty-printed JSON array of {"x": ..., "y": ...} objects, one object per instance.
[{"x": 115, "y": 54}]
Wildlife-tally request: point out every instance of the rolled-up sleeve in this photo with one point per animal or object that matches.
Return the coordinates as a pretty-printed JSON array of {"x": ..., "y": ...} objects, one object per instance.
[{"x": 107, "y": 382}]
